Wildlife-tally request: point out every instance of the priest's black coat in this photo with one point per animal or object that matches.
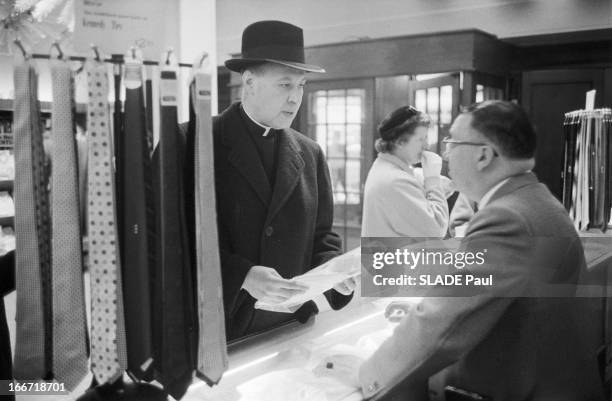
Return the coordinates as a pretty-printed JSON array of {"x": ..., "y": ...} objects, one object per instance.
[{"x": 287, "y": 227}]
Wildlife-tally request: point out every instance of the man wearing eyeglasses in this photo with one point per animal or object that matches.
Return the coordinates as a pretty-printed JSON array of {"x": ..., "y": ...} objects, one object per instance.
[{"x": 525, "y": 336}]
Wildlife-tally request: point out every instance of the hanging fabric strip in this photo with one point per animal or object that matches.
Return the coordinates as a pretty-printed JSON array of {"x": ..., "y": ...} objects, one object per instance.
[
  {"x": 32, "y": 231},
  {"x": 136, "y": 197},
  {"x": 108, "y": 344},
  {"x": 607, "y": 131},
  {"x": 212, "y": 347},
  {"x": 174, "y": 298},
  {"x": 587, "y": 168},
  {"x": 69, "y": 321}
]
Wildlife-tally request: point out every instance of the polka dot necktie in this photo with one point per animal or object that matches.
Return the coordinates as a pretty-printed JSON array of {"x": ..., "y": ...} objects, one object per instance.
[
  {"x": 32, "y": 231},
  {"x": 108, "y": 349},
  {"x": 69, "y": 327}
]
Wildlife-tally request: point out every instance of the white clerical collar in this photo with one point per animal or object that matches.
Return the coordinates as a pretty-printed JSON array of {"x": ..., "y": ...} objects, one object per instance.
[
  {"x": 487, "y": 197},
  {"x": 266, "y": 129}
]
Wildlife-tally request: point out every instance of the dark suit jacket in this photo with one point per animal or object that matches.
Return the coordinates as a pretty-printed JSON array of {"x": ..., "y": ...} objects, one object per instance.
[
  {"x": 512, "y": 341},
  {"x": 288, "y": 227}
]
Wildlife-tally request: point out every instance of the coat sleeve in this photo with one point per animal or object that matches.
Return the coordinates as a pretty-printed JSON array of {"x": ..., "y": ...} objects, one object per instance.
[
  {"x": 409, "y": 209},
  {"x": 234, "y": 269},
  {"x": 327, "y": 244},
  {"x": 439, "y": 330}
]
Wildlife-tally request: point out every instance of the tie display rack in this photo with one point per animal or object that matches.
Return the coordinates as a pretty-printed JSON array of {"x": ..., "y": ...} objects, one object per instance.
[
  {"x": 165, "y": 368},
  {"x": 6, "y": 105}
]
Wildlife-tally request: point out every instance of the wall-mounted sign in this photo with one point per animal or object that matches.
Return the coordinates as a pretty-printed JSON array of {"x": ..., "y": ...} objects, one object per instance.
[{"x": 115, "y": 25}]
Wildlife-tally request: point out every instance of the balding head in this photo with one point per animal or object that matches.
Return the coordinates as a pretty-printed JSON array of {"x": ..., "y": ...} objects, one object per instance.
[{"x": 490, "y": 142}]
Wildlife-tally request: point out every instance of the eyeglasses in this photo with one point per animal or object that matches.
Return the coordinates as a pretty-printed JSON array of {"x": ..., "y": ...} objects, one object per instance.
[{"x": 451, "y": 143}]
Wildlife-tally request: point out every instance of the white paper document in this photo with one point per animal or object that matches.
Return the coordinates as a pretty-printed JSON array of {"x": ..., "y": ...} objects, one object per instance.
[{"x": 319, "y": 280}]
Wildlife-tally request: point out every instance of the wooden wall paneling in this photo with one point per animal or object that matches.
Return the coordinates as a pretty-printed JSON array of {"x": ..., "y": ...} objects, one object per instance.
[
  {"x": 492, "y": 55},
  {"x": 430, "y": 53},
  {"x": 389, "y": 94},
  {"x": 494, "y": 81},
  {"x": 546, "y": 96},
  {"x": 607, "y": 95},
  {"x": 564, "y": 55},
  {"x": 467, "y": 89}
]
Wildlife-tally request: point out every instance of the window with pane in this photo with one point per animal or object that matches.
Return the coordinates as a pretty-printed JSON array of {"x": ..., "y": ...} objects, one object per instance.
[
  {"x": 336, "y": 122},
  {"x": 437, "y": 102}
]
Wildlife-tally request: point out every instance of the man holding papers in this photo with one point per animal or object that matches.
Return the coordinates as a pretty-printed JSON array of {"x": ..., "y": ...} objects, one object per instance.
[{"x": 274, "y": 196}]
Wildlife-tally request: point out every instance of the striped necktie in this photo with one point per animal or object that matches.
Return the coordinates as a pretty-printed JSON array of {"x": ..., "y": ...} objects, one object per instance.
[
  {"x": 32, "y": 232},
  {"x": 69, "y": 327},
  {"x": 108, "y": 347},
  {"x": 212, "y": 347}
]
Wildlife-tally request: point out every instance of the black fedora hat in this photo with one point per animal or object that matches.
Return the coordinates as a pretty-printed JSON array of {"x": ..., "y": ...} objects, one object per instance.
[{"x": 275, "y": 42}]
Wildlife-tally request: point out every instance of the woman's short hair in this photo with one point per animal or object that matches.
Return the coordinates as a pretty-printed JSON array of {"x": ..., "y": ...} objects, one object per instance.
[{"x": 398, "y": 126}]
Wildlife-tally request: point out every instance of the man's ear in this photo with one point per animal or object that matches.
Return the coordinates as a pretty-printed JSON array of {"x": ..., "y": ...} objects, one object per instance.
[
  {"x": 484, "y": 157},
  {"x": 247, "y": 79}
]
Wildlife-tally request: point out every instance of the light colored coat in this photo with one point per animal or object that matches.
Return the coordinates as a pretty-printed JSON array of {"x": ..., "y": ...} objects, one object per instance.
[
  {"x": 398, "y": 202},
  {"x": 508, "y": 342}
]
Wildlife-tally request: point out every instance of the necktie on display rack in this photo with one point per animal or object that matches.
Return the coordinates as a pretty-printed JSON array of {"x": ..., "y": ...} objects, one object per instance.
[
  {"x": 174, "y": 321},
  {"x": 149, "y": 111},
  {"x": 69, "y": 327},
  {"x": 108, "y": 344},
  {"x": 212, "y": 347},
  {"x": 136, "y": 200},
  {"x": 32, "y": 236}
]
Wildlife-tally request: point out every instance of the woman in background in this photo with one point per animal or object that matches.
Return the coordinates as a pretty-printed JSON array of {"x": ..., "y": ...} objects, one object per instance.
[{"x": 399, "y": 200}]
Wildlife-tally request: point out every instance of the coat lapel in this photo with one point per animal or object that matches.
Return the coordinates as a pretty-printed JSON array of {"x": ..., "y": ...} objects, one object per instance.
[
  {"x": 289, "y": 169},
  {"x": 243, "y": 155},
  {"x": 513, "y": 184}
]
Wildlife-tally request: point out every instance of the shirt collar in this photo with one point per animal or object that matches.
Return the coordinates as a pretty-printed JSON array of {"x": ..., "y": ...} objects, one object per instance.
[
  {"x": 265, "y": 128},
  {"x": 487, "y": 196}
]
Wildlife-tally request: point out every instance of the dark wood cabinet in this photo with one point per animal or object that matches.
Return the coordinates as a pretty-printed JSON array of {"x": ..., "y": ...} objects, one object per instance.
[{"x": 547, "y": 95}]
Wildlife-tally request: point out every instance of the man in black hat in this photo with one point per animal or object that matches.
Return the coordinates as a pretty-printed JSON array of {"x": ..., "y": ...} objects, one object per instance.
[{"x": 274, "y": 196}]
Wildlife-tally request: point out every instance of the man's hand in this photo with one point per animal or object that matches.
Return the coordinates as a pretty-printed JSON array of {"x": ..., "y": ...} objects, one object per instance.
[
  {"x": 343, "y": 367},
  {"x": 266, "y": 285},
  {"x": 347, "y": 286},
  {"x": 396, "y": 310}
]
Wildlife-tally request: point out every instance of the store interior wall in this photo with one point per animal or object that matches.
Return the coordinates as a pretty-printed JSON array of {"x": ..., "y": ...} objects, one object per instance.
[
  {"x": 336, "y": 21},
  {"x": 198, "y": 34}
]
